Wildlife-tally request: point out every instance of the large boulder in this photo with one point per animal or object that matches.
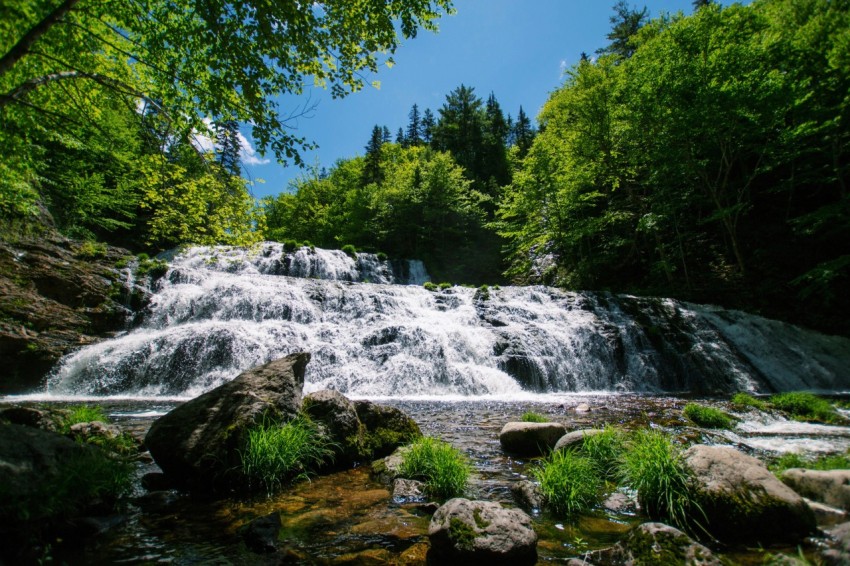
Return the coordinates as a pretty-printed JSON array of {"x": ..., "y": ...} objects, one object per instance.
[
  {"x": 574, "y": 440},
  {"x": 198, "y": 443},
  {"x": 530, "y": 439},
  {"x": 481, "y": 532},
  {"x": 386, "y": 428},
  {"x": 831, "y": 487},
  {"x": 655, "y": 543},
  {"x": 338, "y": 418},
  {"x": 742, "y": 501}
]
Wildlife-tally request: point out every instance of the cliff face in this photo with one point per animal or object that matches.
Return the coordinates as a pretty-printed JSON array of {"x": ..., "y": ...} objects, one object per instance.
[{"x": 55, "y": 295}]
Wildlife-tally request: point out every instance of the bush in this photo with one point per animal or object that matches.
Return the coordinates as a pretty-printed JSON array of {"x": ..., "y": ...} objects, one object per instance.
[
  {"x": 441, "y": 466},
  {"x": 483, "y": 293},
  {"x": 805, "y": 406},
  {"x": 443, "y": 286},
  {"x": 745, "y": 400},
  {"x": 605, "y": 450},
  {"x": 532, "y": 417},
  {"x": 569, "y": 482},
  {"x": 707, "y": 417},
  {"x": 91, "y": 250},
  {"x": 350, "y": 251},
  {"x": 429, "y": 286},
  {"x": 290, "y": 246},
  {"x": 653, "y": 466},
  {"x": 156, "y": 268},
  {"x": 278, "y": 453},
  {"x": 382, "y": 256}
]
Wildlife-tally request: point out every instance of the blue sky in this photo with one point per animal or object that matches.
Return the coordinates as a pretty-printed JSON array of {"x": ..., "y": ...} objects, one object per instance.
[{"x": 517, "y": 49}]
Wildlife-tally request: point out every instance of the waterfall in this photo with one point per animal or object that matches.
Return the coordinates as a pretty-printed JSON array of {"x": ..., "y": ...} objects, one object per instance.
[{"x": 221, "y": 310}]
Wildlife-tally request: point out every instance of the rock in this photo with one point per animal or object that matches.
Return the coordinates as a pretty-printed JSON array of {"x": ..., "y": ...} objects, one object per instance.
[
  {"x": 619, "y": 502},
  {"x": 530, "y": 439},
  {"x": 260, "y": 535},
  {"x": 387, "y": 428},
  {"x": 655, "y": 543},
  {"x": 197, "y": 444},
  {"x": 45, "y": 419},
  {"x": 573, "y": 440},
  {"x": 94, "y": 430},
  {"x": 826, "y": 516},
  {"x": 156, "y": 481},
  {"x": 831, "y": 487},
  {"x": 742, "y": 500},
  {"x": 839, "y": 542},
  {"x": 386, "y": 470},
  {"x": 408, "y": 491},
  {"x": 582, "y": 408},
  {"x": 339, "y": 418},
  {"x": 481, "y": 532},
  {"x": 527, "y": 495}
]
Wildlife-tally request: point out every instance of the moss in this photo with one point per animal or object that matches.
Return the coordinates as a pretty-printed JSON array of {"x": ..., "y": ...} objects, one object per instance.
[
  {"x": 480, "y": 522},
  {"x": 461, "y": 534},
  {"x": 707, "y": 417},
  {"x": 91, "y": 250},
  {"x": 443, "y": 286},
  {"x": 651, "y": 550},
  {"x": 429, "y": 286},
  {"x": 482, "y": 294}
]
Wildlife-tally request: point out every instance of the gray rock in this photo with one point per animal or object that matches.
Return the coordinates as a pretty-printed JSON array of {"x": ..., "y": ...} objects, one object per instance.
[
  {"x": 826, "y": 516},
  {"x": 386, "y": 428},
  {"x": 527, "y": 495},
  {"x": 94, "y": 431},
  {"x": 582, "y": 408},
  {"x": 573, "y": 440},
  {"x": 197, "y": 444},
  {"x": 386, "y": 470},
  {"x": 481, "y": 532},
  {"x": 831, "y": 487},
  {"x": 619, "y": 502},
  {"x": 839, "y": 542},
  {"x": 655, "y": 543},
  {"x": 742, "y": 500},
  {"x": 45, "y": 419},
  {"x": 408, "y": 491},
  {"x": 337, "y": 415},
  {"x": 530, "y": 439}
]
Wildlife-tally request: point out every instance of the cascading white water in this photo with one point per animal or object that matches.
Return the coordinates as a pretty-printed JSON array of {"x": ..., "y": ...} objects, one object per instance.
[{"x": 221, "y": 310}]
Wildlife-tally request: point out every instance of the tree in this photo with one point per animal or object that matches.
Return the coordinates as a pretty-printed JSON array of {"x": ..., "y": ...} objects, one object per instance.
[
  {"x": 428, "y": 125},
  {"x": 372, "y": 172},
  {"x": 626, "y": 22},
  {"x": 459, "y": 130},
  {"x": 494, "y": 159},
  {"x": 697, "y": 4},
  {"x": 414, "y": 127},
  {"x": 523, "y": 133},
  {"x": 228, "y": 146},
  {"x": 399, "y": 137},
  {"x": 386, "y": 137}
]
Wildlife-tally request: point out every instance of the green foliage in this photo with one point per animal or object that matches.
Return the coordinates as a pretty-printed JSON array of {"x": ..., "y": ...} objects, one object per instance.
[
  {"x": 745, "y": 400},
  {"x": 806, "y": 406},
  {"x": 82, "y": 414},
  {"x": 532, "y": 417},
  {"x": 606, "y": 451},
  {"x": 827, "y": 462},
  {"x": 482, "y": 293},
  {"x": 653, "y": 466},
  {"x": 382, "y": 256},
  {"x": 91, "y": 250},
  {"x": 707, "y": 417},
  {"x": 278, "y": 453},
  {"x": 155, "y": 268},
  {"x": 290, "y": 246},
  {"x": 430, "y": 286},
  {"x": 350, "y": 251},
  {"x": 443, "y": 286},
  {"x": 570, "y": 483},
  {"x": 461, "y": 534},
  {"x": 443, "y": 468}
]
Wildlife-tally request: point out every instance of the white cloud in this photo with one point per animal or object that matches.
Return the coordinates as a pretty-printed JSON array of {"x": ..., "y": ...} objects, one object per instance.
[{"x": 248, "y": 154}]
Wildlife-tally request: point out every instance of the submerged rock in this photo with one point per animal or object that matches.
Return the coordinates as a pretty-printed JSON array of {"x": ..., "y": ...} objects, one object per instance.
[
  {"x": 197, "y": 444},
  {"x": 530, "y": 439},
  {"x": 527, "y": 495},
  {"x": 408, "y": 491},
  {"x": 831, "y": 487},
  {"x": 481, "y": 532},
  {"x": 838, "y": 553},
  {"x": 655, "y": 543},
  {"x": 742, "y": 500},
  {"x": 260, "y": 535}
]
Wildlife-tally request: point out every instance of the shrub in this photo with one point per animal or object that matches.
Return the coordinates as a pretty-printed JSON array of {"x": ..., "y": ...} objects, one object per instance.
[
  {"x": 429, "y": 286},
  {"x": 350, "y": 251},
  {"x": 382, "y": 256},
  {"x": 91, "y": 250},
  {"x": 156, "y": 268},
  {"x": 653, "y": 466},
  {"x": 483, "y": 293},
  {"x": 745, "y": 400},
  {"x": 532, "y": 417},
  {"x": 277, "y": 453},
  {"x": 805, "y": 406},
  {"x": 707, "y": 417},
  {"x": 443, "y": 286},
  {"x": 569, "y": 482},
  {"x": 290, "y": 245},
  {"x": 82, "y": 414},
  {"x": 605, "y": 450},
  {"x": 441, "y": 466}
]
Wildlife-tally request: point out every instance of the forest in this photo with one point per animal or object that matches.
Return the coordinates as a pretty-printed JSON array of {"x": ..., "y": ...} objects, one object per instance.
[{"x": 702, "y": 156}]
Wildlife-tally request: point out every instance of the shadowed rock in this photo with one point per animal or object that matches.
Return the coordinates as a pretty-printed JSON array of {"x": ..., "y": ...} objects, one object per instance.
[{"x": 530, "y": 439}]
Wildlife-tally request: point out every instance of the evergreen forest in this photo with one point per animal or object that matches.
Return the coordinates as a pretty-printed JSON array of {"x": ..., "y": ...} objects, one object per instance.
[{"x": 702, "y": 156}]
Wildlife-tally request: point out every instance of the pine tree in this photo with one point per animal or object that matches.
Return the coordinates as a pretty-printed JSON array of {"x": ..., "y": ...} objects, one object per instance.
[
  {"x": 400, "y": 139},
  {"x": 494, "y": 159},
  {"x": 459, "y": 130},
  {"x": 701, "y": 4},
  {"x": 523, "y": 133},
  {"x": 414, "y": 127},
  {"x": 372, "y": 162},
  {"x": 626, "y": 23},
  {"x": 386, "y": 137},
  {"x": 428, "y": 125},
  {"x": 228, "y": 146}
]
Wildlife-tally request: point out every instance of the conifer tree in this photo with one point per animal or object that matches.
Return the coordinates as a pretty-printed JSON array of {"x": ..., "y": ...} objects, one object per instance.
[
  {"x": 228, "y": 146},
  {"x": 626, "y": 22},
  {"x": 386, "y": 137},
  {"x": 372, "y": 162},
  {"x": 428, "y": 125},
  {"x": 523, "y": 133},
  {"x": 400, "y": 139},
  {"x": 414, "y": 127}
]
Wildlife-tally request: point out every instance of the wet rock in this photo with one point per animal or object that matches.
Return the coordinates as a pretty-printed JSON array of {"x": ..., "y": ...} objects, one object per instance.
[
  {"x": 742, "y": 500},
  {"x": 530, "y": 439},
  {"x": 831, "y": 487},
  {"x": 337, "y": 415},
  {"x": 197, "y": 444},
  {"x": 386, "y": 470},
  {"x": 825, "y": 515},
  {"x": 582, "y": 408},
  {"x": 527, "y": 495},
  {"x": 619, "y": 502},
  {"x": 655, "y": 543},
  {"x": 260, "y": 535},
  {"x": 408, "y": 491},
  {"x": 386, "y": 428},
  {"x": 45, "y": 419},
  {"x": 94, "y": 431},
  {"x": 573, "y": 440},
  {"x": 838, "y": 553},
  {"x": 481, "y": 532}
]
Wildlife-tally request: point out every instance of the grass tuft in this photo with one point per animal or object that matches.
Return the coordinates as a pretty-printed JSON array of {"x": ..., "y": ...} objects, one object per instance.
[
  {"x": 745, "y": 400},
  {"x": 829, "y": 462},
  {"x": 805, "y": 406},
  {"x": 279, "y": 453},
  {"x": 443, "y": 468},
  {"x": 569, "y": 482},
  {"x": 82, "y": 414},
  {"x": 707, "y": 417},
  {"x": 532, "y": 417},
  {"x": 606, "y": 451}
]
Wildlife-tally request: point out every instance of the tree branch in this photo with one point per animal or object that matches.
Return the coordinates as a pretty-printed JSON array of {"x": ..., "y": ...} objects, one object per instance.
[{"x": 23, "y": 46}]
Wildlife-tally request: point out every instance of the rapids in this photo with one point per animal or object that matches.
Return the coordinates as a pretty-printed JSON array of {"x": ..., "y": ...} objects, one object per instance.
[{"x": 375, "y": 331}]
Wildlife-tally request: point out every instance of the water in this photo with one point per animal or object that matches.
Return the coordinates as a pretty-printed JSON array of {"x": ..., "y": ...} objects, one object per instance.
[{"x": 374, "y": 331}]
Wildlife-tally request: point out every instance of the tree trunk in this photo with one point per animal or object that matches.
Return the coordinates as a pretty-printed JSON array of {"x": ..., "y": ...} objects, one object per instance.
[{"x": 23, "y": 46}]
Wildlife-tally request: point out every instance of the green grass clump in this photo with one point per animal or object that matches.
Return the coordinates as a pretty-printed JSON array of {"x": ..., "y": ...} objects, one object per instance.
[
  {"x": 829, "y": 462},
  {"x": 156, "y": 268},
  {"x": 82, "y": 414},
  {"x": 605, "y": 450},
  {"x": 805, "y": 406},
  {"x": 570, "y": 483},
  {"x": 429, "y": 286},
  {"x": 707, "y": 417},
  {"x": 350, "y": 251},
  {"x": 443, "y": 468},
  {"x": 91, "y": 250},
  {"x": 653, "y": 466},
  {"x": 482, "y": 294},
  {"x": 532, "y": 417},
  {"x": 443, "y": 286},
  {"x": 278, "y": 453},
  {"x": 745, "y": 400}
]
